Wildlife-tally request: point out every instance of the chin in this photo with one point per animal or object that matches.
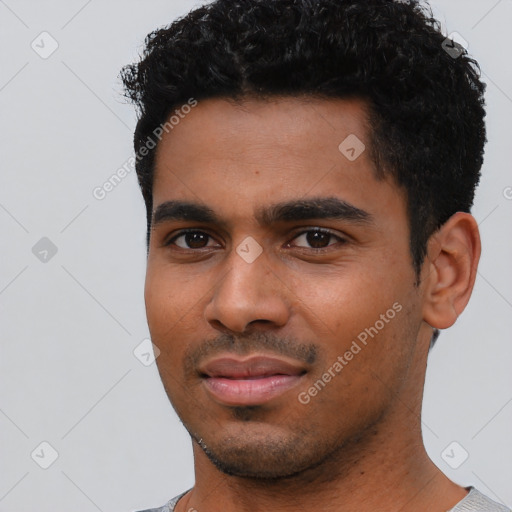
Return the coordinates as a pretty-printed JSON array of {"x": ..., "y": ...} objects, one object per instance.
[{"x": 265, "y": 453}]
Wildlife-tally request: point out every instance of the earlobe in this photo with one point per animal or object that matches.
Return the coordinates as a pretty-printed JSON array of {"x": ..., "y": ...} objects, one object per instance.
[{"x": 450, "y": 269}]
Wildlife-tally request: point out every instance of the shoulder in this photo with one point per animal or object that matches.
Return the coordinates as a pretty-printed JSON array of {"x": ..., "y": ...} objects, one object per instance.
[
  {"x": 169, "y": 506},
  {"x": 475, "y": 501}
]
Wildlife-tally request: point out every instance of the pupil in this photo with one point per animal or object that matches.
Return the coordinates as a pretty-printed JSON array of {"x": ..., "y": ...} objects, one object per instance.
[
  {"x": 315, "y": 239},
  {"x": 195, "y": 240}
]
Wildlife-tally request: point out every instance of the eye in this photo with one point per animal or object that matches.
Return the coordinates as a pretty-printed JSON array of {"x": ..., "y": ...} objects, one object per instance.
[
  {"x": 316, "y": 238},
  {"x": 191, "y": 240}
]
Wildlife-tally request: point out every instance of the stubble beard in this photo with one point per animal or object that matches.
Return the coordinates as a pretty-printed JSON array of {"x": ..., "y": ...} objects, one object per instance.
[{"x": 303, "y": 456}]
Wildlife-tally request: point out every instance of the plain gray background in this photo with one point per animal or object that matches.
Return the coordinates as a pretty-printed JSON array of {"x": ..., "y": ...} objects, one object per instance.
[{"x": 70, "y": 321}]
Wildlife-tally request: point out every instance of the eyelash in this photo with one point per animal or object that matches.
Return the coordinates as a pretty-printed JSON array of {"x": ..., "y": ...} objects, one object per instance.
[{"x": 311, "y": 230}]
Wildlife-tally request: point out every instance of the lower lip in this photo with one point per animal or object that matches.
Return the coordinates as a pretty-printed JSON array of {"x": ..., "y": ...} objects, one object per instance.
[{"x": 244, "y": 392}]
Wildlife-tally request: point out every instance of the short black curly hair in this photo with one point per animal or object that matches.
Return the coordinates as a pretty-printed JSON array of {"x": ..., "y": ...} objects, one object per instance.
[{"x": 424, "y": 93}]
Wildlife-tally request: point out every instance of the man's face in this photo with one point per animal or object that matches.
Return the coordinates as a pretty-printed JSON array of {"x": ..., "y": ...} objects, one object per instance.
[{"x": 287, "y": 318}]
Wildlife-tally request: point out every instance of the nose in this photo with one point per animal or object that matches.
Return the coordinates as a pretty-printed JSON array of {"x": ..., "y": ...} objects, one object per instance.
[{"x": 248, "y": 294}]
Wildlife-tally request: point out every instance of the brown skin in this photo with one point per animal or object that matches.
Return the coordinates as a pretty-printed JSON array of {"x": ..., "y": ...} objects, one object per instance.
[{"x": 357, "y": 444}]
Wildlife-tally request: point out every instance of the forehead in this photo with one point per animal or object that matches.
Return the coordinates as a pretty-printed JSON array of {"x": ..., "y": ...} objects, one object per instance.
[
  {"x": 255, "y": 127},
  {"x": 268, "y": 150}
]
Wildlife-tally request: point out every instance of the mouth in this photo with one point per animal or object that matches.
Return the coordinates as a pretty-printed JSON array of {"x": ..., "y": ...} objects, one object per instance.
[{"x": 248, "y": 382}]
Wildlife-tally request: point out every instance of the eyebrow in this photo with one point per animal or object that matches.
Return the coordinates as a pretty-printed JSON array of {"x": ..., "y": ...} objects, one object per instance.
[{"x": 329, "y": 208}]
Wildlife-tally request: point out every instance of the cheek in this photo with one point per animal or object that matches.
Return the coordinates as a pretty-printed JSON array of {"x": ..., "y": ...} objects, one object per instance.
[
  {"x": 170, "y": 298},
  {"x": 370, "y": 321},
  {"x": 166, "y": 316},
  {"x": 163, "y": 312},
  {"x": 365, "y": 366},
  {"x": 343, "y": 303}
]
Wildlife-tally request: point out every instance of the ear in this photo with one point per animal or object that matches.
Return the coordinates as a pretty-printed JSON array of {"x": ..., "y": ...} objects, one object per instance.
[{"x": 450, "y": 269}]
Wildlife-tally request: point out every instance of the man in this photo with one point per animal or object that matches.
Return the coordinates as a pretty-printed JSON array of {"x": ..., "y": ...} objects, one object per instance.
[{"x": 308, "y": 168}]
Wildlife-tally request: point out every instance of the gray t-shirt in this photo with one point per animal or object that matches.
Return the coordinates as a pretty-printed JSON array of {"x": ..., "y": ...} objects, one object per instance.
[{"x": 475, "y": 501}]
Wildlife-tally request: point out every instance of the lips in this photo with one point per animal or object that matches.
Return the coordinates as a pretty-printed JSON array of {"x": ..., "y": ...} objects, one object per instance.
[{"x": 253, "y": 381}]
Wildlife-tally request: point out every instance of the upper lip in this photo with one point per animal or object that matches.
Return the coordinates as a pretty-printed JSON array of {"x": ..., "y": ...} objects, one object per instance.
[{"x": 231, "y": 367}]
